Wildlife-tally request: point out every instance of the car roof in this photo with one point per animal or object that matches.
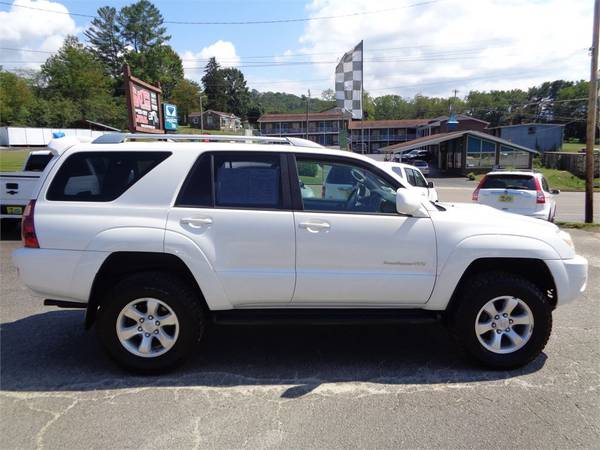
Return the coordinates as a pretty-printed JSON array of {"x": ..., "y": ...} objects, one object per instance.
[{"x": 513, "y": 172}]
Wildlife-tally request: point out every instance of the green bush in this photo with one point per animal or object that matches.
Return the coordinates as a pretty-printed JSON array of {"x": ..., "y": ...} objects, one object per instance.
[
  {"x": 307, "y": 169},
  {"x": 471, "y": 176}
]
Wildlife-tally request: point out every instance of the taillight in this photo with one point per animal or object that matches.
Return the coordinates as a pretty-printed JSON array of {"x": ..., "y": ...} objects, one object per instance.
[
  {"x": 539, "y": 196},
  {"x": 476, "y": 191},
  {"x": 28, "y": 227}
]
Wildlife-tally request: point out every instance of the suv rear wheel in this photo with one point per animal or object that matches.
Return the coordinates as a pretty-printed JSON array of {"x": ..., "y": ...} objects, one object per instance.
[
  {"x": 503, "y": 320},
  {"x": 150, "y": 321}
]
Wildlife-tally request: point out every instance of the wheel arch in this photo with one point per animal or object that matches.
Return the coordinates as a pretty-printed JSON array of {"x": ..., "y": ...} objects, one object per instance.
[
  {"x": 533, "y": 269},
  {"x": 123, "y": 263}
]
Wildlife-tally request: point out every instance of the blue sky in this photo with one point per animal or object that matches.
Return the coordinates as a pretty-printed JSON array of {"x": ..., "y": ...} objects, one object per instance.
[{"x": 411, "y": 46}]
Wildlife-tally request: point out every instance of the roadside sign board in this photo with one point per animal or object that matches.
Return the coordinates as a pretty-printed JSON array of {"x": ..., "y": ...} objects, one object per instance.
[
  {"x": 143, "y": 104},
  {"x": 170, "y": 115}
]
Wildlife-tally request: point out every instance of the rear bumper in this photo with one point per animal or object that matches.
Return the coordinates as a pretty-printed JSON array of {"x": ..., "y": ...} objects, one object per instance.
[
  {"x": 570, "y": 277},
  {"x": 58, "y": 274}
]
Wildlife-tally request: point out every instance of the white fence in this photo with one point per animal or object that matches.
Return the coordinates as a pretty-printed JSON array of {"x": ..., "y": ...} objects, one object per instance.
[{"x": 16, "y": 136}]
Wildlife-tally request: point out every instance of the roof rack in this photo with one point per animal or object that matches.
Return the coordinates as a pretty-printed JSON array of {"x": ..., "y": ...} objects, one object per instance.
[{"x": 118, "y": 138}]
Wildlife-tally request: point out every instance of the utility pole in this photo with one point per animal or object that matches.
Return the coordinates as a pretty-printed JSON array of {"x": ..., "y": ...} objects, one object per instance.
[
  {"x": 307, "y": 108},
  {"x": 201, "y": 115},
  {"x": 591, "y": 120}
]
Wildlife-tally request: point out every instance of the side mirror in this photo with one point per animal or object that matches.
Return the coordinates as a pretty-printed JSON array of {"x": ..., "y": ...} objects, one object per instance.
[
  {"x": 407, "y": 201},
  {"x": 555, "y": 191},
  {"x": 430, "y": 184}
]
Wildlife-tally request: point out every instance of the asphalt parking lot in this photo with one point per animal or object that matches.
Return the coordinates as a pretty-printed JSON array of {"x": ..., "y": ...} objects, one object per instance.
[{"x": 296, "y": 387}]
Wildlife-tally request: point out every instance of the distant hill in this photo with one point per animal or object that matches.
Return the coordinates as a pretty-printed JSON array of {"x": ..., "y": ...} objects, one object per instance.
[{"x": 280, "y": 102}]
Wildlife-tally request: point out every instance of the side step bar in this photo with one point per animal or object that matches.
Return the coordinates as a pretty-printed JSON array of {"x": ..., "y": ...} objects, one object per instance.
[
  {"x": 65, "y": 304},
  {"x": 323, "y": 316}
]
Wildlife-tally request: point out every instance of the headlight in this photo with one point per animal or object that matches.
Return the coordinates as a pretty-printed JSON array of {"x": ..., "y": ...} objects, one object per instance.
[{"x": 566, "y": 237}]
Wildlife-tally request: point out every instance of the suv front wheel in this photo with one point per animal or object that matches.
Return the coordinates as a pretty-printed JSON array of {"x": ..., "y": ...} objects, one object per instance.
[
  {"x": 503, "y": 320},
  {"x": 150, "y": 321}
]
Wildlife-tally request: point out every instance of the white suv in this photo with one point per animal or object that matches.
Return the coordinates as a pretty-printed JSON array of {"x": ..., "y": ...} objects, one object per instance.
[{"x": 156, "y": 238}]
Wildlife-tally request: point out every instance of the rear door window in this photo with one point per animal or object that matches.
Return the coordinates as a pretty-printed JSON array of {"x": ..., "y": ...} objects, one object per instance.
[
  {"x": 248, "y": 181},
  {"x": 37, "y": 163},
  {"x": 522, "y": 182},
  {"x": 101, "y": 176},
  {"x": 419, "y": 180}
]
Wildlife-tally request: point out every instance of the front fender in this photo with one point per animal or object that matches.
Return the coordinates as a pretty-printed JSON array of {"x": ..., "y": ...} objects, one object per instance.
[{"x": 451, "y": 269}]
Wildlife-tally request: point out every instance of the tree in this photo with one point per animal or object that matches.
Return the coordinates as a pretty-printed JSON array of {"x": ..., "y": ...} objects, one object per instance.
[
  {"x": 105, "y": 40},
  {"x": 142, "y": 26},
  {"x": 571, "y": 108},
  {"x": 328, "y": 95},
  {"x": 74, "y": 74},
  {"x": 214, "y": 86},
  {"x": 238, "y": 96},
  {"x": 16, "y": 99},
  {"x": 186, "y": 95},
  {"x": 158, "y": 64}
]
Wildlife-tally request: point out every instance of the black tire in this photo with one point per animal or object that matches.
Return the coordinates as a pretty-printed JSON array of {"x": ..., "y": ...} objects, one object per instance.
[
  {"x": 178, "y": 295},
  {"x": 484, "y": 287}
]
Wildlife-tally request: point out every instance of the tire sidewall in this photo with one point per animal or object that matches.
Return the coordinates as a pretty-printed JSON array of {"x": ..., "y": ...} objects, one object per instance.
[
  {"x": 162, "y": 289},
  {"x": 469, "y": 309}
]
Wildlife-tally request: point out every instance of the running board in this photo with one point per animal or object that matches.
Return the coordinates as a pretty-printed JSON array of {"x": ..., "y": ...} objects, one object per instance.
[
  {"x": 323, "y": 316},
  {"x": 65, "y": 304}
]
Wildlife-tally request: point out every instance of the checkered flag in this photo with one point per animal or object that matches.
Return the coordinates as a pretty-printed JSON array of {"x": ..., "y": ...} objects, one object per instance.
[{"x": 349, "y": 81}]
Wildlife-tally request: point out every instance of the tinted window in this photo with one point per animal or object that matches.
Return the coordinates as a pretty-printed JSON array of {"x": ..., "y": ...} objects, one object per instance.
[
  {"x": 545, "y": 186},
  {"x": 354, "y": 189},
  {"x": 410, "y": 176},
  {"x": 419, "y": 180},
  {"x": 339, "y": 175},
  {"x": 197, "y": 189},
  {"x": 398, "y": 170},
  {"x": 525, "y": 182},
  {"x": 101, "y": 176},
  {"x": 37, "y": 163},
  {"x": 251, "y": 181}
]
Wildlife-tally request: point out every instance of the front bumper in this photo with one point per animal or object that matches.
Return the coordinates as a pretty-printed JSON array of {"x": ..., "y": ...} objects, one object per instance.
[{"x": 570, "y": 277}]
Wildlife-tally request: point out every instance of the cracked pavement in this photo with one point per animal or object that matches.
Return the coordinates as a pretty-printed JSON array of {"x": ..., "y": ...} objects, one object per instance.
[{"x": 296, "y": 387}]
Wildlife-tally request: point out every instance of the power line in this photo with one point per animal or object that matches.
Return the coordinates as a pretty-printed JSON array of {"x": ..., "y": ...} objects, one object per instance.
[{"x": 243, "y": 22}]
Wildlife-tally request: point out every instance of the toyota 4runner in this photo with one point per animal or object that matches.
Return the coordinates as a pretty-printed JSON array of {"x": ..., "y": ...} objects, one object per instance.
[{"x": 158, "y": 236}]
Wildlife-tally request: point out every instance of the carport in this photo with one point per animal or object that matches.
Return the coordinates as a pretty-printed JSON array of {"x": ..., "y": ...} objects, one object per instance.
[{"x": 467, "y": 151}]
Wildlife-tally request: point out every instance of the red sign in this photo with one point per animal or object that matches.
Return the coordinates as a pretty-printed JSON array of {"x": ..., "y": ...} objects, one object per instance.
[{"x": 143, "y": 104}]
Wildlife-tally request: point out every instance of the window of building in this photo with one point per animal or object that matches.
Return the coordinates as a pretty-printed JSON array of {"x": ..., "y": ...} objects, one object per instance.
[
  {"x": 511, "y": 158},
  {"x": 101, "y": 176},
  {"x": 480, "y": 153}
]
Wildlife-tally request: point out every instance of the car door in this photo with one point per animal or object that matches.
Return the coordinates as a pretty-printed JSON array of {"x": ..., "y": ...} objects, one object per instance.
[
  {"x": 360, "y": 251},
  {"x": 416, "y": 180},
  {"x": 235, "y": 207}
]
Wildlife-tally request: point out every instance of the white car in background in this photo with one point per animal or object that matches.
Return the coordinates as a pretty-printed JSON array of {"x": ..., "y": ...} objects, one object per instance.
[
  {"x": 423, "y": 166},
  {"x": 519, "y": 192},
  {"x": 413, "y": 176}
]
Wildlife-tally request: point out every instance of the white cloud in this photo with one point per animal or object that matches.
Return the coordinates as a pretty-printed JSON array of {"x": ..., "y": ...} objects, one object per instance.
[
  {"x": 454, "y": 44},
  {"x": 29, "y": 29},
  {"x": 223, "y": 51}
]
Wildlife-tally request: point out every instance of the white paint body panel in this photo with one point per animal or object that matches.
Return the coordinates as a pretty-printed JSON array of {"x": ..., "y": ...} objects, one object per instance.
[{"x": 251, "y": 258}]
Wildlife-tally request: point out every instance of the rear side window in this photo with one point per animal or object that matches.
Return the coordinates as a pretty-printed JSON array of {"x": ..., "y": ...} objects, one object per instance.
[
  {"x": 101, "y": 176},
  {"x": 523, "y": 182},
  {"x": 248, "y": 180},
  {"x": 37, "y": 163},
  {"x": 398, "y": 170}
]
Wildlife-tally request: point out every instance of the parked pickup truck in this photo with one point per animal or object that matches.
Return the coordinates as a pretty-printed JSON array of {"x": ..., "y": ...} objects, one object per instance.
[
  {"x": 157, "y": 238},
  {"x": 17, "y": 187}
]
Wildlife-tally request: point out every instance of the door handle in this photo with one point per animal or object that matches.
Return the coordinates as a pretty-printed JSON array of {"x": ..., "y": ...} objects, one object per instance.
[
  {"x": 315, "y": 227},
  {"x": 196, "y": 222}
]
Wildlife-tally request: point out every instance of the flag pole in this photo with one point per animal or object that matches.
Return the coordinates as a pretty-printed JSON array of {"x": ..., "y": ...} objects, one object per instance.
[{"x": 362, "y": 96}]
